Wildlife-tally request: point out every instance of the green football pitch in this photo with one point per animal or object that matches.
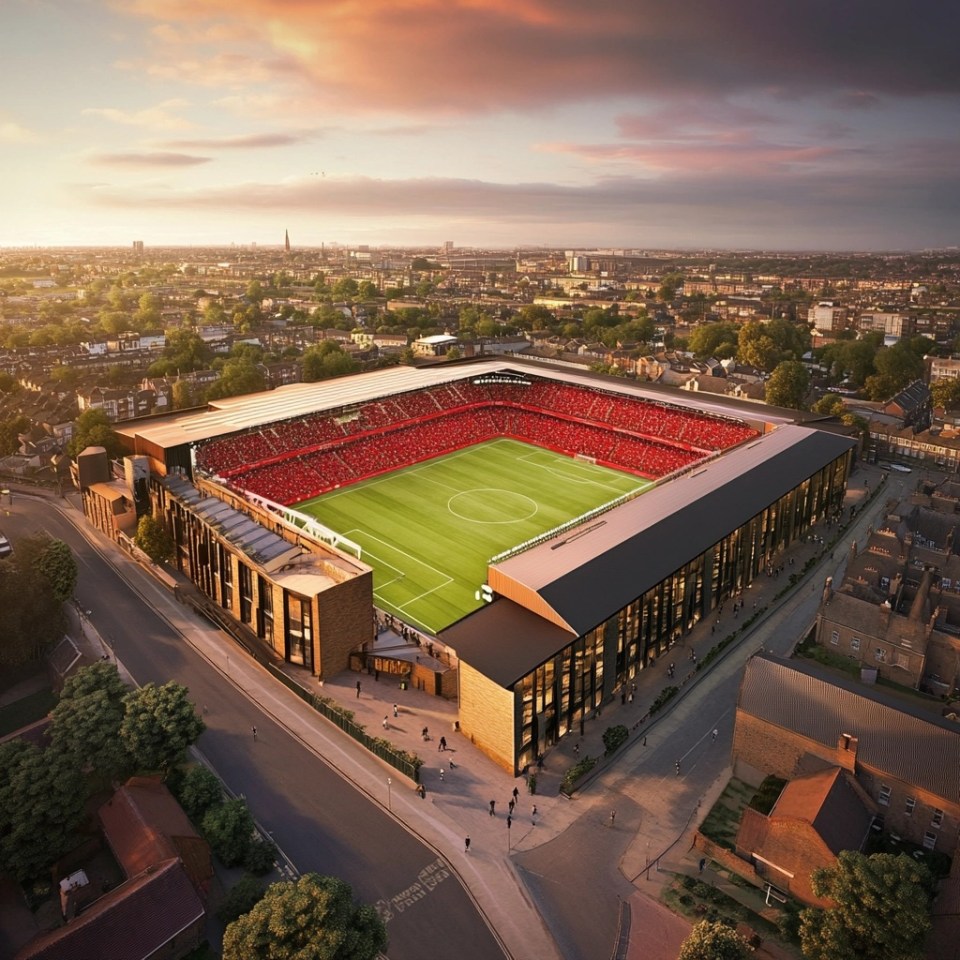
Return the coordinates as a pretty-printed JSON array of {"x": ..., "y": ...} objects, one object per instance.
[{"x": 429, "y": 530}]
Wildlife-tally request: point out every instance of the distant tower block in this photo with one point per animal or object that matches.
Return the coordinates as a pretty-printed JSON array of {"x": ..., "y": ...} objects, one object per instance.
[
  {"x": 448, "y": 247},
  {"x": 138, "y": 248},
  {"x": 286, "y": 240}
]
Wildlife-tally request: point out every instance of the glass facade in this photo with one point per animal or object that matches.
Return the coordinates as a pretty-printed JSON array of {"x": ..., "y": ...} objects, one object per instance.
[{"x": 562, "y": 693}]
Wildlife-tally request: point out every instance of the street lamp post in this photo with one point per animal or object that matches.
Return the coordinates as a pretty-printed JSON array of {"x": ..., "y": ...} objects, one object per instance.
[{"x": 389, "y": 793}]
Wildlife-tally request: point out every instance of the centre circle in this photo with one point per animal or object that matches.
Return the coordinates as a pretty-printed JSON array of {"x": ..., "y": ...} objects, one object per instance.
[{"x": 492, "y": 505}]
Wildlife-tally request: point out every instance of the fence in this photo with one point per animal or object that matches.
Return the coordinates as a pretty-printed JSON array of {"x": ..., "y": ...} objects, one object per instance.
[{"x": 406, "y": 763}]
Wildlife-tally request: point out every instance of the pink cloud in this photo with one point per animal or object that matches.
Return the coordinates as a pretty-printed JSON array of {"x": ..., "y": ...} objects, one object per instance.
[{"x": 479, "y": 55}]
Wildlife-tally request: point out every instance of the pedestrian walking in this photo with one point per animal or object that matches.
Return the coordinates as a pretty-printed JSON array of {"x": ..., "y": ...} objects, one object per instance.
[
  {"x": 511, "y": 805},
  {"x": 466, "y": 845},
  {"x": 539, "y": 761},
  {"x": 425, "y": 733},
  {"x": 441, "y": 774},
  {"x": 715, "y": 733},
  {"x": 576, "y": 749},
  {"x": 678, "y": 768},
  {"x": 533, "y": 815},
  {"x": 358, "y": 689},
  {"x": 254, "y": 734},
  {"x": 630, "y": 698},
  {"x": 509, "y": 821},
  {"x": 703, "y": 863},
  {"x": 613, "y": 817},
  {"x": 516, "y": 795},
  {"x": 493, "y": 808},
  {"x": 386, "y": 723},
  {"x": 396, "y": 710},
  {"x": 422, "y": 790},
  {"x": 644, "y": 741},
  {"x": 443, "y": 744}
]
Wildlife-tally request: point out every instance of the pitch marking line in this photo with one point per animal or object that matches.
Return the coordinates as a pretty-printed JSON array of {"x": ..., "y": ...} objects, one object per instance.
[{"x": 445, "y": 580}]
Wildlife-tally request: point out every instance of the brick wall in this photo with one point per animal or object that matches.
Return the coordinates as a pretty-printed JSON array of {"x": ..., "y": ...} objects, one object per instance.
[
  {"x": 771, "y": 749},
  {"x": 343, "y": 619}
]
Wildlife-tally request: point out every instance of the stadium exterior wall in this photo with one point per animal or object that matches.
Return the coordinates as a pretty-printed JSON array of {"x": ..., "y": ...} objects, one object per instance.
[{"x": 487, "y": 715}]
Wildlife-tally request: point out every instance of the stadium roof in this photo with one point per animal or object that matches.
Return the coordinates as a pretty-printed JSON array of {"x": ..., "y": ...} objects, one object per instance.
[
  {"x": 893, "y": 736},
  {"x": 253, "y": 410},
  {"x": 586, "y": 574}
]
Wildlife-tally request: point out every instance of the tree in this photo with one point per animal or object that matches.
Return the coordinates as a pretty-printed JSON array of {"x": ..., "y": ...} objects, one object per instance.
[
  {"x": 237, "y": 377},
  {"x": 788, "y": 385},
  {"x": 86, "y": 729},
  {"x": 159, "y": 724},
  {"x": 54, "y": 561},
  {"x": 946, "y": 393},
  {"x": 313, "y": 918},
  {"x": 714, "y": 941},
  {"x": 325, "y": 360},
  {"x": 718, "y": 340},
  {"x": 153, "y": 539},
  {"x": 41, "y": 804},
  {"x": 199, "y": 791},
  {"x": 229, "y": 828},
  {"x": 182, "y": 395},
  {"x": 755, "y": 348},
  {"x": 29, "y": 622},
  {"x": 242, "y": 897},
  {"x": 10, "y": 431},
  {"x": 881, "y": 909},
  {"x": 93, "y": 429},
  {"x": 346, "y": 288}
]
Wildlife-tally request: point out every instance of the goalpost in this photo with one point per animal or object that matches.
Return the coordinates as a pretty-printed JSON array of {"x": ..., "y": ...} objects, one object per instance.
[{"x": 586, "y": 458}]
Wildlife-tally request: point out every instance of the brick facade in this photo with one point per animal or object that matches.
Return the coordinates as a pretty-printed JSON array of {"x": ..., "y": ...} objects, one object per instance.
[{"x": 487, "y": 715}]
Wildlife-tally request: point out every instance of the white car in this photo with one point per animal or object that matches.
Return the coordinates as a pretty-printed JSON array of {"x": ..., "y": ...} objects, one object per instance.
[
  {"x": 900, "y": 468},
  {"x": 6, "y": 547}
]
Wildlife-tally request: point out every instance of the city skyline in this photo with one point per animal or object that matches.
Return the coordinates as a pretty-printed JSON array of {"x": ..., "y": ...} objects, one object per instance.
[{"x": 490, "y": 124}]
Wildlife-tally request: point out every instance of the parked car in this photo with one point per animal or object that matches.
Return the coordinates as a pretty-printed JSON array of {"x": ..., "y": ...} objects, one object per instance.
[{"x": 6, "y": 548}]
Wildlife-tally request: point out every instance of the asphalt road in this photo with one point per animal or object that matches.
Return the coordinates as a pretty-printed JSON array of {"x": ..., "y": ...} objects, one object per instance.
[{"x": 317, "y": 818}]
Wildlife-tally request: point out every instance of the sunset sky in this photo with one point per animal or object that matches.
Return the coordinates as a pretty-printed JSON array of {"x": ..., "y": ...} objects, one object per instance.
[{"x": 777, "y": 124}]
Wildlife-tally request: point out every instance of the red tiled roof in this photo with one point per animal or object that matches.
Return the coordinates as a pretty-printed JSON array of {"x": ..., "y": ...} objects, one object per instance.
[{"x": 130, "y": 922}]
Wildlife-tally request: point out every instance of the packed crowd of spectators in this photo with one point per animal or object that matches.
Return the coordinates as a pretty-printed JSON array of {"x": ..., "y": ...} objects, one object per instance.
[{"x": 299, "y": 458}]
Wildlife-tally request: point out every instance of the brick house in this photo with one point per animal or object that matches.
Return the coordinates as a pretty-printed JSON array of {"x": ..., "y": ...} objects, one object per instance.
[
  {"x": 815, "y": 818},
  {"x": 794, "y": 719}
]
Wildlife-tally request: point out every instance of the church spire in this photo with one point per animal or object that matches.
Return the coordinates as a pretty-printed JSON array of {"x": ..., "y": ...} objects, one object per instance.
[{"x": 286, "y": 240}]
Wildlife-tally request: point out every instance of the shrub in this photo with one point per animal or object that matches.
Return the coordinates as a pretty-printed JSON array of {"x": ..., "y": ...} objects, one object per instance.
[
  {"x": 614, "y": 737},
  {"x": 244, "y": 895},
  {"x": 576, "y": 772},
  {"x": 260, "y": 857},
  {"x": 663, "y": 698}
]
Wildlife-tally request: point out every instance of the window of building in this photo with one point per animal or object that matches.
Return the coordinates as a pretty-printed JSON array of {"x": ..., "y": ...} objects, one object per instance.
[
  {"x": 937, "y": 820},
  {"x": 880, "y": 655},
  {"x": 246, "y": 593},
  {"x": 909, "y": 806},
  {"x": 855, "y": 643},
  {"x": 835, "y": 637},
  {"x": 929, "y": 841},
  {"x": 884, "y": 797}
]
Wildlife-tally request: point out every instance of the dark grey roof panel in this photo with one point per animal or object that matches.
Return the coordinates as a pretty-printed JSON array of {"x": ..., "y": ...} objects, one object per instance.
[
  {"x": 505, "y": 641},
  {"x": 894, "y": 737},
  {"x": 607, "y": 581}
]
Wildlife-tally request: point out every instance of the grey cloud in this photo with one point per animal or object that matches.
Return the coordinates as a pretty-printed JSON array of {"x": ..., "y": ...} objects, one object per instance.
[{"x": 157, "y": 159}]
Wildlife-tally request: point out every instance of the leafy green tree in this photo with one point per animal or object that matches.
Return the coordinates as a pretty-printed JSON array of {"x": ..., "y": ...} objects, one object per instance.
[
  {"x": 718, "y": 340},
  {"x": 830, "y": 404},
  {"x": 86, "y": 729},
  {"x": 159, "y": 724},
  {"x": 93, "y": 429},
  {"x": 238, "y": 376},
  {"x": 325, "y": 360},
  {"x": 946, "y": 393},
  {"x": 153, "y": 539},
  {"x": 183, "y": 397},
  {"x": 29, "y": 622},
  {"x": 199, "y": 792},
  {"x": 228, "y": 828},
  {"x": 54, "y": 561},
  {"x": 313, "y": 918},
  {"x": 42, "y": 795},
  {"x": 102, "y": 676},
  {"x": 185, "y": 352},
  {"x": 346, "y": 288},
  {"x": 10, "y": 431},
  {"x": 755, "y": 348},
  {"x": 788, "y": 385},
  {"x": 710, "y": 940},
  {"x": 367, "y": 290},
  {"x": 880, "y": 912}
]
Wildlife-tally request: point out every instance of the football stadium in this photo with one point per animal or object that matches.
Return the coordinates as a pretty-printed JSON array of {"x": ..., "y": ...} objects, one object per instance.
[{"x": 543, "y": 532}]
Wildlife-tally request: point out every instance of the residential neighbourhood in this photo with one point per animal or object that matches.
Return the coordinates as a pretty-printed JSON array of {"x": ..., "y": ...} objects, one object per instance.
[{"x": 796, "y": 561}]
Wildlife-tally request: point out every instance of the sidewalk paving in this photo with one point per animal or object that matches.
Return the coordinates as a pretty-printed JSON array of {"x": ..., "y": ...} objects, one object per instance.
[{"x": 461, "y": 781}]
